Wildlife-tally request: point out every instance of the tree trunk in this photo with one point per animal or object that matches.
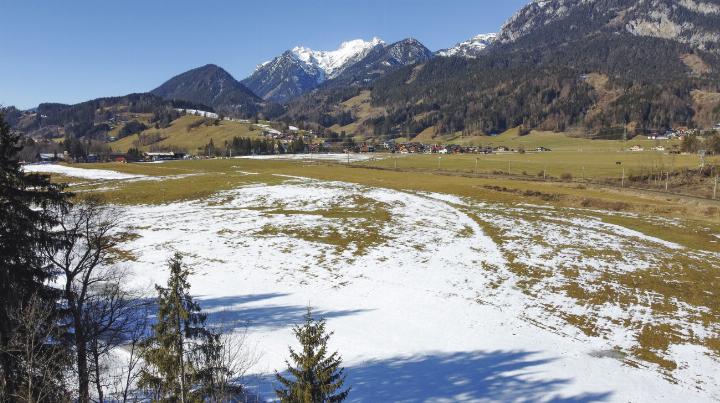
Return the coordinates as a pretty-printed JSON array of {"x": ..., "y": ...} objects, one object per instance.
[
  {"x": 6, "y": 362},
  {"x": 96, "y": 361},
  {"x": 5, "y": 357},
  {"x": 80, "y": 347},
  {"x": 82, "y": 364},
  {"x": 181, "y": 352}
]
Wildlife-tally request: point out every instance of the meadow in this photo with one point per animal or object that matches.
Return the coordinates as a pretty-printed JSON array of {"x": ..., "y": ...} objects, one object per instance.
[{"x": 625, "y": 280}]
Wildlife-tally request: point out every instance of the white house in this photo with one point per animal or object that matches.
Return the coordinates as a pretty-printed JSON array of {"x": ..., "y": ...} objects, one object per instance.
[{"x": 196, "y": 112}]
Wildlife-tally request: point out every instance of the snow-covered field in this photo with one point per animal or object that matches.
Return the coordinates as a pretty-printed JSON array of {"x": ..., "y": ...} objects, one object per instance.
[
  {"x": 432, "y": 297},
  {"x": 97, "y": 174},
  {"x": 317, "y": 157}
]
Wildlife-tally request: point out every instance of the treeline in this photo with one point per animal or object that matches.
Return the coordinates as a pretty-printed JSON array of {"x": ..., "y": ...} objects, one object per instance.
[
  {"x": 65, "y": 308},
  {"x": 91, "y": 119},
  {"x": 709, "y": 142},
  {"x": 546, "y": 91},
  {"x": 249, "y": 146}
]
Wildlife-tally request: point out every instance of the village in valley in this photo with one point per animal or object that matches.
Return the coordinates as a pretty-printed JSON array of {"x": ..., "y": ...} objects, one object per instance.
[{"x": 283, "y": 135}]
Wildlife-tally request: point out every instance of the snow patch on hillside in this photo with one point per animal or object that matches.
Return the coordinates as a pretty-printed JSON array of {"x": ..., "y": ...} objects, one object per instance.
[
  {"x": 470, "y": 48},
  {"x": 333, "y": 62}
]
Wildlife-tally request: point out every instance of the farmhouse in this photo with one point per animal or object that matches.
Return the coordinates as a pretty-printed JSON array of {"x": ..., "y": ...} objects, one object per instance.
[
  {"x": 48, "y": 157},
  {"x": 163, "y": 156}
]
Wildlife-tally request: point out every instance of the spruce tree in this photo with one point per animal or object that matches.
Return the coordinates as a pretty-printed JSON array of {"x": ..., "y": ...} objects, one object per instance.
[
  {"x": 181, "y": 345},
  {"x": 27, "y": 202},
  {"x": 316, "y": 376}
]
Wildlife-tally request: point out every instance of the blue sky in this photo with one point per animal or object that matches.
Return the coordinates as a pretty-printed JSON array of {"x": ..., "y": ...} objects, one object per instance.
[{"x": 75, "y": 50}]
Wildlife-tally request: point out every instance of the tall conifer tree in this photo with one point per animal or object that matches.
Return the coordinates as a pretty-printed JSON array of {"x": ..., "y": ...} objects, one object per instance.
[
  {"x": 316, "y": 376},
  {"x": 181, "y": 345},
  {"x": 26, "y": 213}
]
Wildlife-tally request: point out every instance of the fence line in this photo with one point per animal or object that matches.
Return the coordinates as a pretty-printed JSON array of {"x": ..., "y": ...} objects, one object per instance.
[{"x": 545, "y": 178}]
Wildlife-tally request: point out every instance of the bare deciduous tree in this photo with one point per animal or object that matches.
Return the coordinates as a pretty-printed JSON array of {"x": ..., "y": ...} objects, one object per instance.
[
  {"x": 43, "y": 359},
  {"x": 109, "y": 313},
  {"x": 127, "y": 369},
  {"x": 87, "y": 238}
]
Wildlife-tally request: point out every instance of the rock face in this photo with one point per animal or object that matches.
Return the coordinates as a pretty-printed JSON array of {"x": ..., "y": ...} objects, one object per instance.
[
  {"x": 382, "y": 60},
  {"x": 213, "y": 86},
  {"x": 284, "y": 78},
  {"x": 301, "y": 69},
  {"x": 692, "y": 22},
  {"x": 471, "y": 48}
]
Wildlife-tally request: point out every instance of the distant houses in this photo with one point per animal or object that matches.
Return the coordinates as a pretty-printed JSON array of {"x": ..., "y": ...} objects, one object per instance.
[
  {"x": 163, "y": 156},
  {"x": 421, "y": 148},
  {"x": 196, "y": 112}
]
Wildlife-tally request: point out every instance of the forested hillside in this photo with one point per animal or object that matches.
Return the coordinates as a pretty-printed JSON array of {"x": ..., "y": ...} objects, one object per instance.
[
  {"x": 213, "y": 86},
  {"x": 594, "y": 66}
]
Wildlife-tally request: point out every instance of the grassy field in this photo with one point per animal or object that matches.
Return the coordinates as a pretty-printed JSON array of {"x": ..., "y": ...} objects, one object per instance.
[
  {"x": 181, "y": 135},
  {"x": 553, "y": 141},
  {"x": 210, "y": 176},
  {"x": 595, "y": 164}
]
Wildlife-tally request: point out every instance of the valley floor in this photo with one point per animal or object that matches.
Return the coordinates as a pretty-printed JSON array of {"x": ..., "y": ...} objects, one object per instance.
[{"x": 441, "y": 297}]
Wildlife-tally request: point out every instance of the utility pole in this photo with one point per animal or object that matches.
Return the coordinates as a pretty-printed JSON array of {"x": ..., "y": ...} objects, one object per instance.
[
  {"x": 622, "y": 181},
  {"x": 667, "y": 181}
]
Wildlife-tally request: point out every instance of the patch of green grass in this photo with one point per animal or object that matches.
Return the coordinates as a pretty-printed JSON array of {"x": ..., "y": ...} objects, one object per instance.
[{"x": 357, "y": 227}]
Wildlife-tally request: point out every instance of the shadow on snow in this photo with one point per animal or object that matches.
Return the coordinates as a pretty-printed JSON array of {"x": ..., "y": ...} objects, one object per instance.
[
  {"x": 231, "y": 312},
  {"x": 463, "y": 376}
]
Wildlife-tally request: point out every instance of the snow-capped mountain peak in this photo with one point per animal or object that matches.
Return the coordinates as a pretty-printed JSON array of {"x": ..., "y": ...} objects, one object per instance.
[
  {"x": 470, "y": 48},
  {"x": 334, "y": 62}
]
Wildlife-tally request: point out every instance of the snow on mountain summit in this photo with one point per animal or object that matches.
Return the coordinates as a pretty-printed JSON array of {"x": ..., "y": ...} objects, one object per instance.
[
  {"x": 301, "y": 69},
  {"x": 470, "y": 48},
  {"x": 333, "y": 62}
]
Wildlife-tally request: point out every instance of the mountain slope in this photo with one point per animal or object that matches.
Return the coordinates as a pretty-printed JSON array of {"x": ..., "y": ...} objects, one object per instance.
[
  {"x": 582, "y": 65},
  {"x": 333, "y": 63},
  {"x": 301, "y": 69},
  {"x": 283, "y": 78},
  {"x": 324, "y": 105},
  {"x": 97, "y": 118},
  {"x": 382, "y": 60},
  {"x": 471, "y": 48},
  {"x": 211, "y": 85},
  {"x": 693, "y": 22}
]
